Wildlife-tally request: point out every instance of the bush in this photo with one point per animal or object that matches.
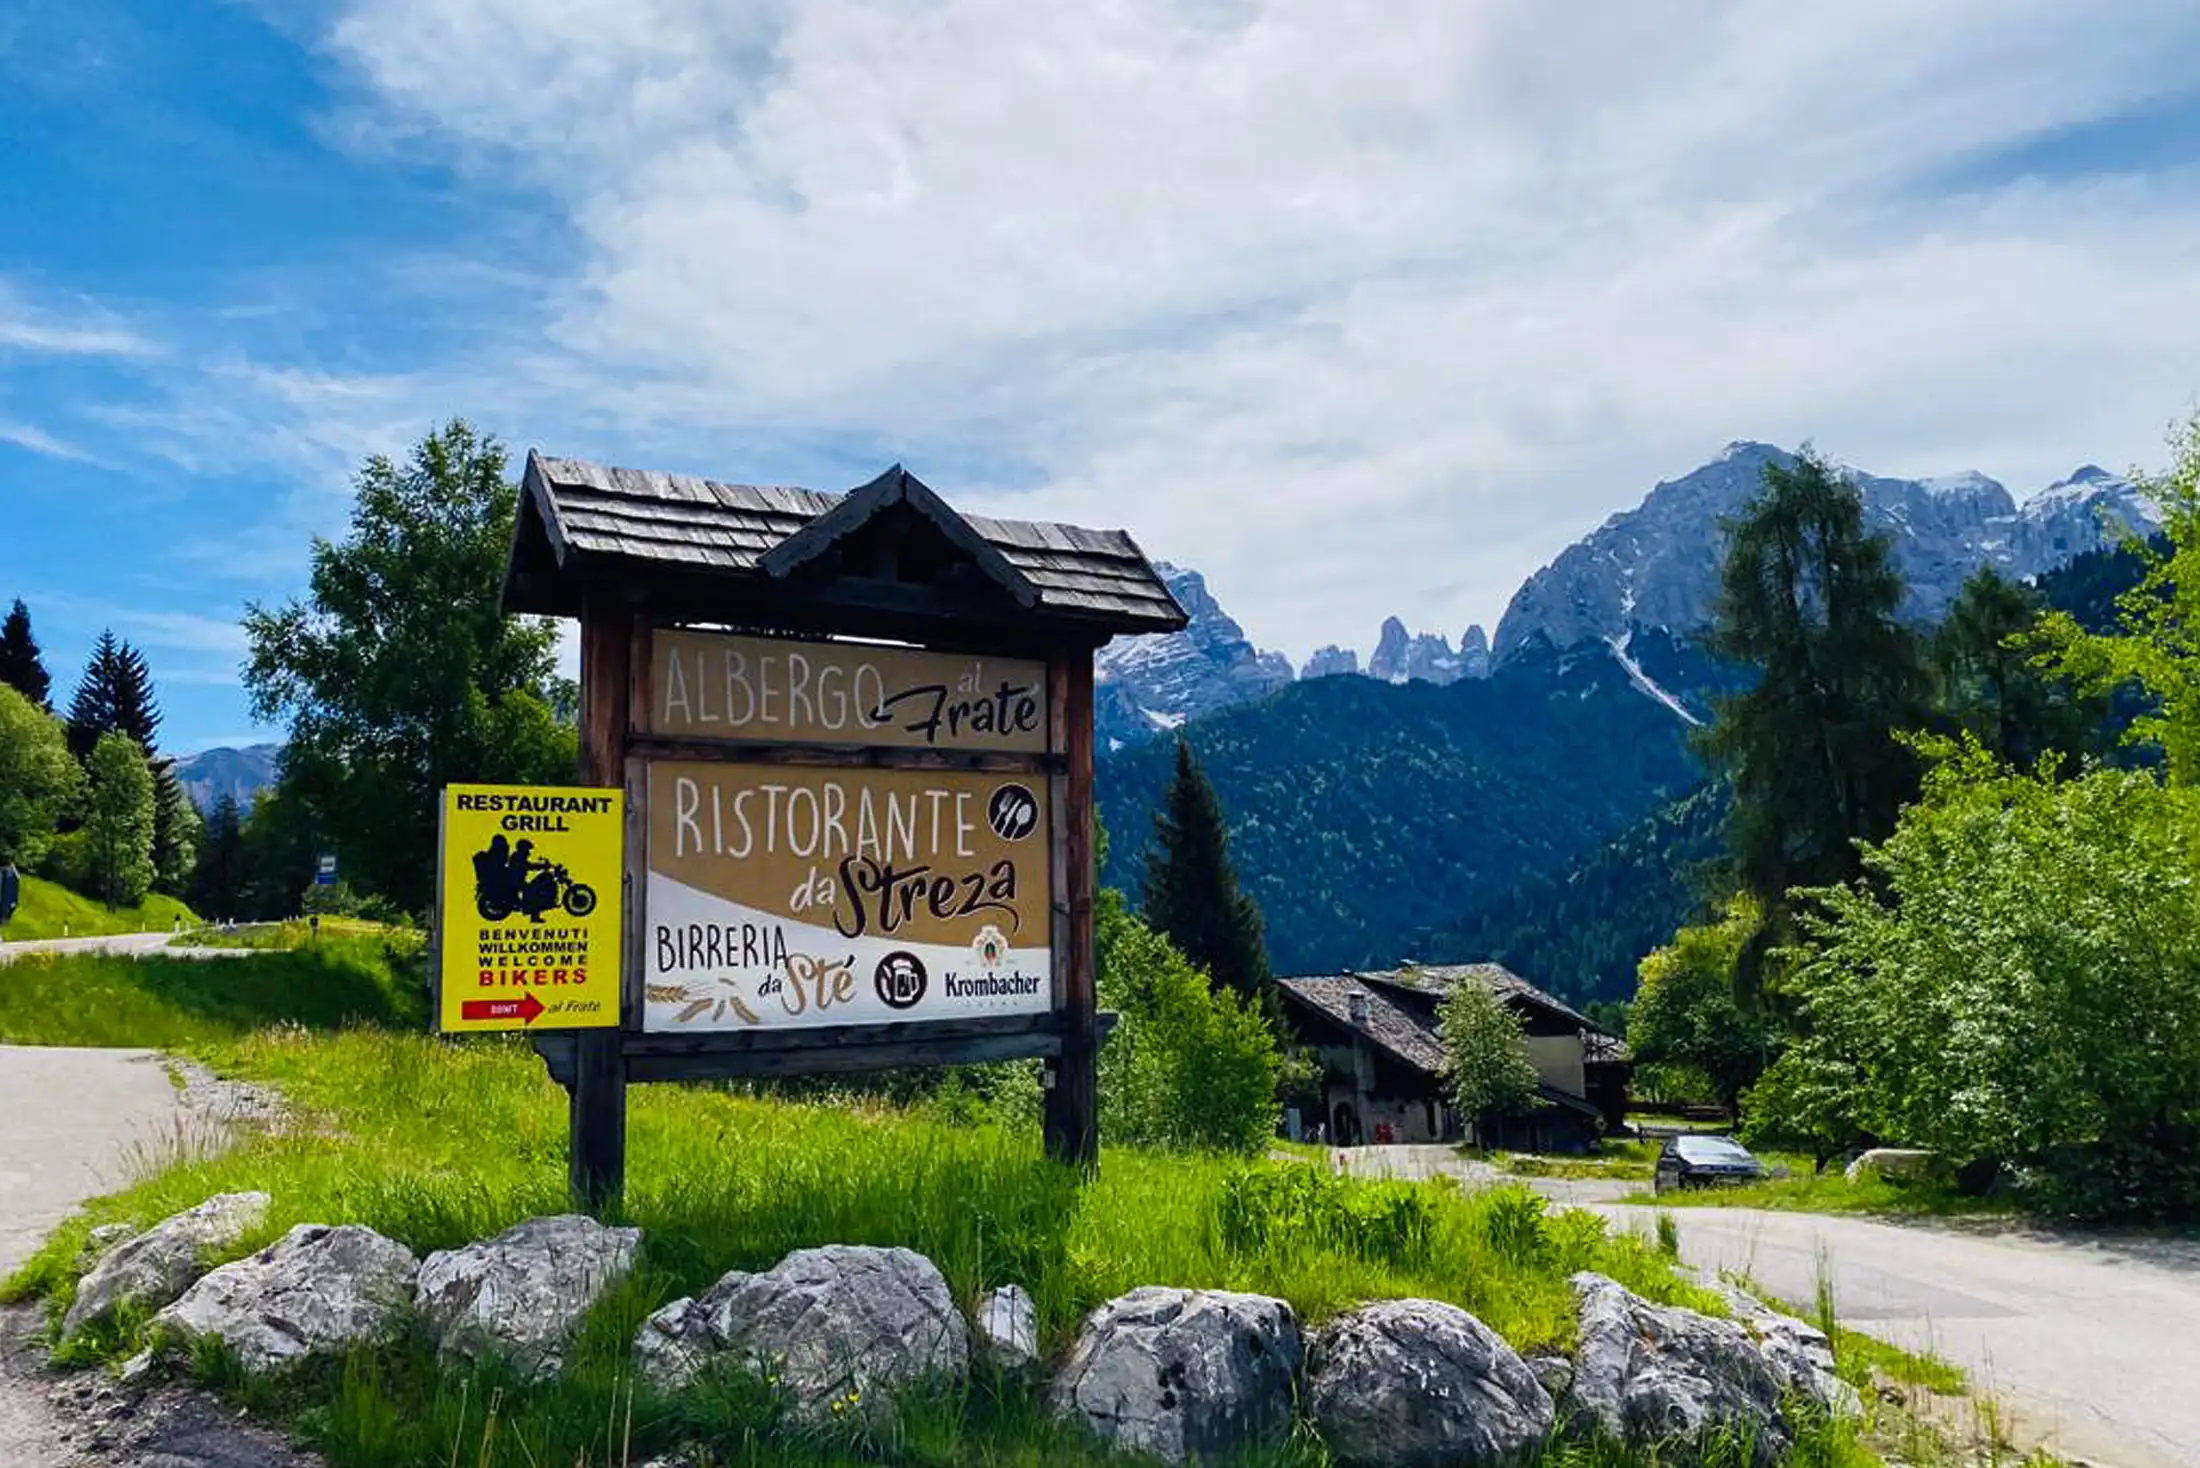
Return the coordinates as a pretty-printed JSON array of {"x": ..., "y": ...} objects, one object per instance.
[
  {"x": 2022, "y": 981},
  {"x": 1188, "y": 1066}
]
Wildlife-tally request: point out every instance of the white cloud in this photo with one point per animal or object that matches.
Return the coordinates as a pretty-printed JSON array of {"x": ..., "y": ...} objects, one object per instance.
[
  {"x": 158, "y": 631},
  {"x": 82, "y": 330},
  {"x": 30, "y": 436},
  {"x": 1358, "y": 310}
]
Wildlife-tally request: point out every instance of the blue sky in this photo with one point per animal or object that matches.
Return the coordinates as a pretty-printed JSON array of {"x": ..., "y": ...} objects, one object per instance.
[{"x": 1359, "y": 320}]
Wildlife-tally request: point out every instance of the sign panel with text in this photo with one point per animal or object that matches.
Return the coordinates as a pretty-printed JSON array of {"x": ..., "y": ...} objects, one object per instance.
[
  {"x": 781, "y": 896},
  {"x": 528, "y": 921},
  {"x": 711, "y": 685}
]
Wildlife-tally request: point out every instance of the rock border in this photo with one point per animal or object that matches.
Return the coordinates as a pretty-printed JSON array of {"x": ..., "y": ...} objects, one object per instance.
[{"x": 1175, "y": 1374}]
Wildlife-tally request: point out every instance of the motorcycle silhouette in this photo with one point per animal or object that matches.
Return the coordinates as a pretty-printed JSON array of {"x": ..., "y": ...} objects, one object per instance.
[{"x": 506, "y": 884}]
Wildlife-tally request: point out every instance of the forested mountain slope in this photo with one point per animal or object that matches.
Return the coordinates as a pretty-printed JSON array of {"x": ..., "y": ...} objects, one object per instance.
[{"x": 1364, "y": 813}]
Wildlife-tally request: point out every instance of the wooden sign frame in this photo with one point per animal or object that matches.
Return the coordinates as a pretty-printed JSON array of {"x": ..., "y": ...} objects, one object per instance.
[{"x": 887, "y": 561}]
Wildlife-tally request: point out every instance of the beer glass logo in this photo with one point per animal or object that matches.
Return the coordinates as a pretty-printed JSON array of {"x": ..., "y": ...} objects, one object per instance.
[{"x": 900, "y": 979}]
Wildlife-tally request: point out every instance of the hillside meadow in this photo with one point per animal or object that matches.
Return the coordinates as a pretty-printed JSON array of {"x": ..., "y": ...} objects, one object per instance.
[
  {"x": 436, "y": 1143},
  {"x": 50, "y": 910}
]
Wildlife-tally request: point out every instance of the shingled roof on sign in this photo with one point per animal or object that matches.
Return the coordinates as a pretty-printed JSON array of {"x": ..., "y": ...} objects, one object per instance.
[{"x": 733, "y": 550}]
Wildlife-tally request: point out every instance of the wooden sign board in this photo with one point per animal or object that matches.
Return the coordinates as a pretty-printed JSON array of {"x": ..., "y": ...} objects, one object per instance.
[
  {"x": 854, "y": 736},
  {"x": 707, "y": 685},
  {"x": 780, "y": 896}
]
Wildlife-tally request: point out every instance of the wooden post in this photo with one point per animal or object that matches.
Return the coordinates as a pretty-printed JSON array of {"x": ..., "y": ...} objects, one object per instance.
[
  {"x": 1072, "y": 1121},
  {"x": 596, "y": 1110}
]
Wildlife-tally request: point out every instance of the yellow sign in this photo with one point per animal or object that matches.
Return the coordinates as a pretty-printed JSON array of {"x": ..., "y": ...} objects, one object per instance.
[{"x": 529, "y": 911}]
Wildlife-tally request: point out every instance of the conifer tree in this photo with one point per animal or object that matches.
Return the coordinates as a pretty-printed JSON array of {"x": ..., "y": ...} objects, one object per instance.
[
  {"x": 217, "y": 887},
  {"x": 177, "y": 829},
  {"x": 1191, "y": 890},
  {"x": 116, "y": 695},
  {"x": 1808, "y": 600},
  {"x": 21, "y": 667},
  {"x": 1992, "y": 686}
]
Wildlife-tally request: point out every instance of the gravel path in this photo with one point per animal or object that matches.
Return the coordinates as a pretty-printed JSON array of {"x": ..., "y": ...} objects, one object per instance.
[{"x": 75, "y": 1123}]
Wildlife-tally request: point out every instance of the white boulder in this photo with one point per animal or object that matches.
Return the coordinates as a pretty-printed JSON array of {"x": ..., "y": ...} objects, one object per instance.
[
  {"x": 522, "y": 1294},
  {"x": 841, "y": 1328},
  {"x": 1008, "y": 1327},
  {"x": 1422, "y": 1384},
  {"x": 1657, "y": 1375},
  {"x": 150, "y": 1269},
  {"x": 316, "y": 1291},
  {"x": 1182, "y": 1373}
]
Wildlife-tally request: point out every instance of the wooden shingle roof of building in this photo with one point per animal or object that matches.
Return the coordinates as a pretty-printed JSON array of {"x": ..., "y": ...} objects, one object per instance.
[
  {"x": 1387, "y": 1023},
  {"x": 583, "y": 523},
  {"x": 1439, "y": 979}
]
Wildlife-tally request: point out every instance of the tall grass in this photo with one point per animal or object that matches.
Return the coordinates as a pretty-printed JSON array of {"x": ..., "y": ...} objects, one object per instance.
[
  {"x": 172, "y": 1003},
  {"x": 438, "y": 1142}
]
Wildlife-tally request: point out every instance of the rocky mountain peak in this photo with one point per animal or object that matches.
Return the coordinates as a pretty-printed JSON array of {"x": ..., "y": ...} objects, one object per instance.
[
  {"x": 1331, "y": 661},
  {"x": 1474, "y": 652},
  {"x": 1155, "y": 682},
  {"x": 1657, "y": 565},
  {"x": 1402, "y": 657}
]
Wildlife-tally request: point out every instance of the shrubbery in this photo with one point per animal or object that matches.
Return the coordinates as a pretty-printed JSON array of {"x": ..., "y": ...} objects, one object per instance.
[
  {"x": 2020, "y": 980},
  {"x": 1188, "y": 1065}
]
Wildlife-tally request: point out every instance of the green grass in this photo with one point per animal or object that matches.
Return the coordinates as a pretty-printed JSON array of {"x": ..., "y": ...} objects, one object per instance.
[
  {"x": 293, "y": 933},
  {"x": 440, "y": 1142},
  {"x": 1804, "y": 1191},
  {"x": 1864, "y": 1358},
  {"x": 49, "y": 910},
  {"x": 177, "y": 1003},
  {"x": 1619, "y": 1161}
]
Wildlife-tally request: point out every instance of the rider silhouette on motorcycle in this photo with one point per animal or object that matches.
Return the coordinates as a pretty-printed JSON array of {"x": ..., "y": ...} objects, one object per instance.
[
  {"x": 508, "y": 879},
  {"x": 535, "y": 882}
]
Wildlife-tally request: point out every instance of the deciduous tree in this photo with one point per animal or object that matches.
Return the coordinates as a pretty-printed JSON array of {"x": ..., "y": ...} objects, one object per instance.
[
  {"x": 2021, "y": 982},
  {"x": 39, "y": 782},
  {"x": 400, "y": 672},
  {"x": 1191, "y": 890},
  {"x": 1487, "y": 1070},
  {"x": 118, "y": 820},
  {"x": 1685, "y": 1014},
  {"x": 1189, "y": 1064},
  {"x": 2157, "y": 644}
]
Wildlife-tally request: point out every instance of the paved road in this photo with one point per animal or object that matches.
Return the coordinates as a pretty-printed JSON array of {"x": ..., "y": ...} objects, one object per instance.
[
  {"x": 73, "y": 1123},
  {"x": 2092, "y": 1342}
]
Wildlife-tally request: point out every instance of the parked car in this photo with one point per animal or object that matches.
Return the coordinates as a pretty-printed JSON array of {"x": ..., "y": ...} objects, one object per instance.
[{"x": 1698, "y": 1160}]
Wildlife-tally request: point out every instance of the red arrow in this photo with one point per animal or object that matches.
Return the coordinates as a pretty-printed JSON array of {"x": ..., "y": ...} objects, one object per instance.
[{"x": 524, "y": 1009}]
